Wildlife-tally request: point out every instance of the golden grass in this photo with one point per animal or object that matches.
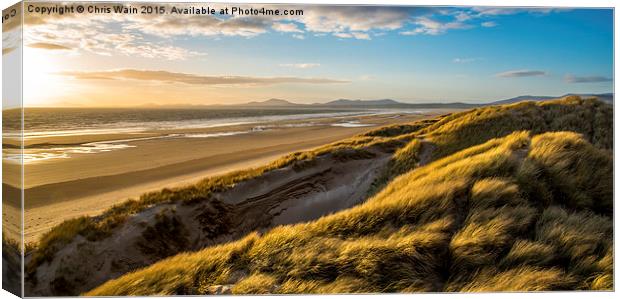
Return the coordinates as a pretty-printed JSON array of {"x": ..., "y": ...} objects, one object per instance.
[
  {"x": 255, "y": 284},
  {"x": 528, "y": 253},
  {"x": 522, "y": 279},
  {"x": 591, "y": 118},
  {"x": 405, "y": 158},
  {"x": 466, "y": 222},
  {"x": 580, "y": 172}
]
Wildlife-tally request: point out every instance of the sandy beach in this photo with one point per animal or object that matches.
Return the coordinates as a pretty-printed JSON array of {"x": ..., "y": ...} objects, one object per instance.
[{"x": 87, "y": 184}]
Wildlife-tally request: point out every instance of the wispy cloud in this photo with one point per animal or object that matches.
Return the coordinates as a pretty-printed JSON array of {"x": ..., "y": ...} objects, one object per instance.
[
  {"x": 7, "y": 50},
  {"x": 361, "y": 35},
  {"x": 465, "y": 59},
  {"x": 10, "y": 39},
  {"x": 521, "y": 73},
  {"x": 429, "y": 26},
  {"x": 301, "y": 65},
  {"x": 500, "y": 11},
  {"x": 286, "y": 27},
  {"x": 193, "y": 79},
  {"x": 477, "y": 13},
  {"x": 248, "y": 26},
  {"x": 355, "y": 35},
  {"x": 48, "y": 46},
  {"x": 343, "y": 35},
  {"x": 348, "y": 19},
  {"x": 586, "y": 79},
  {"x": 102, "y": 42}
]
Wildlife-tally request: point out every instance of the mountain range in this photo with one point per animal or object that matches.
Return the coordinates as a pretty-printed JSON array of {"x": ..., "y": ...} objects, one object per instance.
[
  {"x": 381, "y": 103},
  {"x": 389, "y": 103},
  {"x": 347, "y": 103}
]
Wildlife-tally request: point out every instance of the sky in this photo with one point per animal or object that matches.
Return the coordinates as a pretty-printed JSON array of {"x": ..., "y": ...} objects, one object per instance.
[{"x": 410, "y": 54}]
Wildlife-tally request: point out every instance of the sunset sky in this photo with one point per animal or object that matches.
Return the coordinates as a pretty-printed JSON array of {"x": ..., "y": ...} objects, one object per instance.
[{"x": 404, "y": 53}]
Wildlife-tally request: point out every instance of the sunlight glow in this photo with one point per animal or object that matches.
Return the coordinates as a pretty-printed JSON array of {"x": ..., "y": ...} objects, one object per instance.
[{"x": 39, "y": 77}]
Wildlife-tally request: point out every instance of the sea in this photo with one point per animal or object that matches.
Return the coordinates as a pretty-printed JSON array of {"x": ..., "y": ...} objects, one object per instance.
[{"x": 56, "y": 122}]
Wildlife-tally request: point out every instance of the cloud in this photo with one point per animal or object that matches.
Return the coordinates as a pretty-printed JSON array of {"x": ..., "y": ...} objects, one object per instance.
[
  {"x": 286, "y": 27},
  {"x": 135, "y": 35},
  {"x": 248, "y": 26},
  {"x": 500, "y": 11},
  {"x": 48, "y": 46},
  {"x": 355, "y": 35},
  {"x": 465, "y": 60},
  {"x": 301, "y": 65},
  {"x": 150, "y": 50},
  {"x": 462, "y": 16},
  {"x": 161, "y": 25},
  {"x": 11, "y": 40},
  {"x": 156, "y": 33},
  {"x": 99, "y": 41},
  {"x": 170, "y": 77},
  {"x": 494, "y": 12},
  {"x": 477, "y": 12},
  {"x": 586, "y": 79},
  {"x": 521, "y": 73},
  {"x": 428, "y": 26},
  {"x": 347, "y": 19},
  {"x": 343, "y": 35},
  {"x": 361, "y": 35},
  {"x": 7, "y": 50},
  {"x": 316, "y": 19}
]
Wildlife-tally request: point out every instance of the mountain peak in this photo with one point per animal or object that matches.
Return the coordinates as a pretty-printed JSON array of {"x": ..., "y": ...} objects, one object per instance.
[{"x": 271, "y": 102}]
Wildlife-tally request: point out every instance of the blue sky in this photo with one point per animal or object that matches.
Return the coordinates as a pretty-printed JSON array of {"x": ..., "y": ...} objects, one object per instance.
[{"x": 409, "y": 54}]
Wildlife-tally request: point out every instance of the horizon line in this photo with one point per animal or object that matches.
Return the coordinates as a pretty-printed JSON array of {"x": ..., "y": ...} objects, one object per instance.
[{"x": 406, "y": 102}]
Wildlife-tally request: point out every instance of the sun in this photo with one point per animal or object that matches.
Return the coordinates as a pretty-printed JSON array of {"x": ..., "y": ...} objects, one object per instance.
[{"x": 42, "y": 85}]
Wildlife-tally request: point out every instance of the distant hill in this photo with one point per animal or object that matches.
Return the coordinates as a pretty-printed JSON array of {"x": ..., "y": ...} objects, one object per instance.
[
  {"x": 604, "y": 97},
  {"x": 389, "y": 103},
  {"x": 272, "y": 103},
  {"x": 382, "y": 103},
  {"x": 352, "y": 104}
]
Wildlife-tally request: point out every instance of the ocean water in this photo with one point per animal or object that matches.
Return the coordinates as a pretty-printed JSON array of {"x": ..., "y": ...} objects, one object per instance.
[
  {"x": 54, "y": 122},
  {"x": 76, "y": 121}
]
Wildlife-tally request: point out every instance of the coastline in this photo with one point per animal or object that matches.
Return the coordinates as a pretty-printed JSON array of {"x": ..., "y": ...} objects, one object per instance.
[{"x": 88, "y": 184}]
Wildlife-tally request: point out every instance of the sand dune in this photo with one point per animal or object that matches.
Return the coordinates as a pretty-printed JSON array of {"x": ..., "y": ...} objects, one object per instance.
[{"x": 281, "y": 196}]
